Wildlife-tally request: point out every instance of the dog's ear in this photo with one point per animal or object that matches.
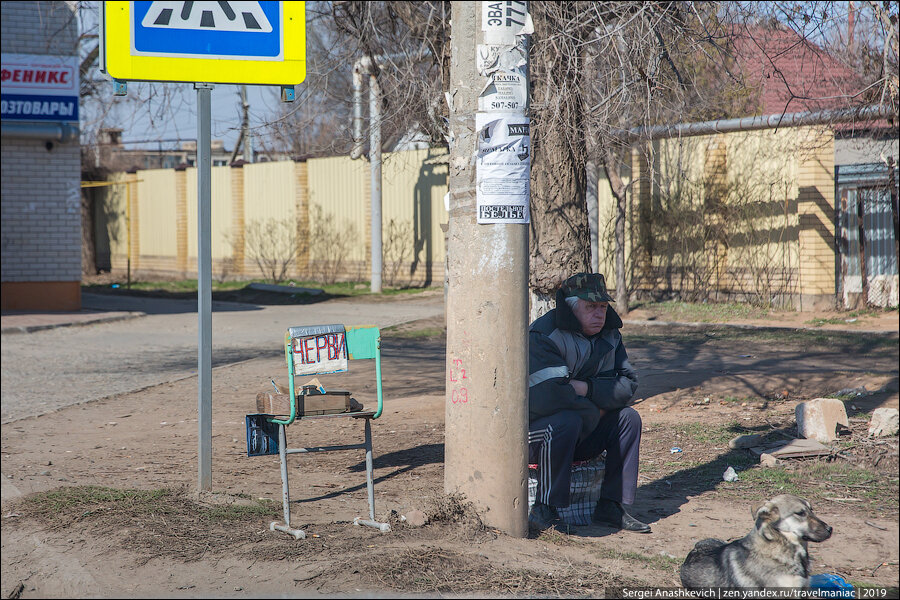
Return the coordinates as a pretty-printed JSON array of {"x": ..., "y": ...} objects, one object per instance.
[
  {"x": 767, "y": 512},
  {"x": 766, "y": 516}
]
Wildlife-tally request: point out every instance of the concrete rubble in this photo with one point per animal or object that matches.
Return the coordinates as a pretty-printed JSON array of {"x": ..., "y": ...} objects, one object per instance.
[
  {"x": 819, "y": 419},
  {"x": 885, "y": 422}
]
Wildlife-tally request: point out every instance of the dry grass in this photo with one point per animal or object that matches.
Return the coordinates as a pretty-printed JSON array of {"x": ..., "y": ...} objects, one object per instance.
[
  {"x": 170, "y": 523},
  {"x": 175, "y": 525},
  {"x": 429, "y": 570}
]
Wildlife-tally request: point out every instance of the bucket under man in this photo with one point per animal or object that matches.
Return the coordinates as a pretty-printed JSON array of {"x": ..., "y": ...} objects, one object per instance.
[{"x": 581, "y": 386}]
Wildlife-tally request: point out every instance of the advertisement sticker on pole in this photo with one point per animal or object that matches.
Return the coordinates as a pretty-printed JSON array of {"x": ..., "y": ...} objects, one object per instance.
[{"x": 503, "y": 167}]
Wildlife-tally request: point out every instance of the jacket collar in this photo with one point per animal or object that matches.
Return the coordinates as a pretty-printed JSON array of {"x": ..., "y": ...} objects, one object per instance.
[{"x": 566, "y": 319}]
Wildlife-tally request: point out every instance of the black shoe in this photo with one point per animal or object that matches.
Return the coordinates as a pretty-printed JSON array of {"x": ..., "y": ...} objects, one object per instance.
[
  {"x": 608, "y": 512},
  {"x": 543, "y": 516}
]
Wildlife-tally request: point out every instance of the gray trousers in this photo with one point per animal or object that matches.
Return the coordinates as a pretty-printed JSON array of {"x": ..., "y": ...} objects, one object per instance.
[{"x": 553, "y": 445}]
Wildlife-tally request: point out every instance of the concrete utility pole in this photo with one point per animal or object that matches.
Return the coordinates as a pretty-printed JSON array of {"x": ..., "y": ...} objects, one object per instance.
[
  {"x": 362, "y": 67},
  {"x": 487, "y": 299}
]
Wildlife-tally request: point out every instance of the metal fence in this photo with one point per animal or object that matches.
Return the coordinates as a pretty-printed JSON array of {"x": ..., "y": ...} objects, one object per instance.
[{"x": 866, "y": 236}]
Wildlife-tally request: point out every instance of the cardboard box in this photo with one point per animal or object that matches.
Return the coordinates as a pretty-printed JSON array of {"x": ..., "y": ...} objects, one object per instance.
[{"x": 329, "y": 403}]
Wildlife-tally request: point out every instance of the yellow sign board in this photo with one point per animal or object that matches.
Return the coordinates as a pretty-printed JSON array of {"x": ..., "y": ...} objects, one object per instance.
[{"x": 261, "y": 43}]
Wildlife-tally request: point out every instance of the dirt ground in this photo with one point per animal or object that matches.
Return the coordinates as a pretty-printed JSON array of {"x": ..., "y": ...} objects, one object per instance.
[{"x": 152, "y": 536}]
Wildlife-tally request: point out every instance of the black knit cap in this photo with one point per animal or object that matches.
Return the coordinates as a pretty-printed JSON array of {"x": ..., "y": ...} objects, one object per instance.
[{"x": 587, "y": 286}]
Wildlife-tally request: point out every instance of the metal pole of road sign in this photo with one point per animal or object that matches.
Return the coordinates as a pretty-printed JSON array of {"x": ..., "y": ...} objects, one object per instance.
[
  {"x": 204, "y": 288},
  {"x": 204, "y": 41}
]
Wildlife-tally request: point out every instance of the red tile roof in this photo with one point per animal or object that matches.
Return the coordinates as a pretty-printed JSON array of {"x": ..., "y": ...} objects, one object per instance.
[{"x": 792, "y": 73}]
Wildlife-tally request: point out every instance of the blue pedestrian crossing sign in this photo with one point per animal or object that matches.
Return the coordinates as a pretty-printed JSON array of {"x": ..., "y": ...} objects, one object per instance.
[{"x": 239, "y": 42}]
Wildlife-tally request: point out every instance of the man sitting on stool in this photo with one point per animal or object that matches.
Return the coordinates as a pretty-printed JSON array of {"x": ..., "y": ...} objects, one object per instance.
[{"x": 580, "y": 387}]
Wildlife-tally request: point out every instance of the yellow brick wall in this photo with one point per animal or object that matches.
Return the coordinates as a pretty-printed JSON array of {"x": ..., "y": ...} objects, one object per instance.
[
  {"x": 815, "y": 206},
  {"x": 181, "y": 222},
  {"x": 765, "y": 204},
  {"x": 301, "y": 188},
  {"x": 238, "y": 250}
]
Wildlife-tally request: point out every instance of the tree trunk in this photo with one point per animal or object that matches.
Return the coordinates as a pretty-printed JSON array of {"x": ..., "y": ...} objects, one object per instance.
[
  {"x": 88, "y": 246},
  {"x": 560, "y": 232}
]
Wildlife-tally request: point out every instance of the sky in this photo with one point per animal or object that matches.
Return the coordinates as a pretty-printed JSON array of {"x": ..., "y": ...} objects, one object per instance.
[
  {"x": 180, "y": 121},
  {"x": 168, "y": 111}
]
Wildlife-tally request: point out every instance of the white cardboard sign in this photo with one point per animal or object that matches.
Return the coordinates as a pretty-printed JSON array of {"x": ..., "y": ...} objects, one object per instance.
[{"x": 322, "y": 353}]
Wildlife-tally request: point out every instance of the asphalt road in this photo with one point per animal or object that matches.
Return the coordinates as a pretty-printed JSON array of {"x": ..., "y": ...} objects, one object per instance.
[{"x": 47, "y": 370}]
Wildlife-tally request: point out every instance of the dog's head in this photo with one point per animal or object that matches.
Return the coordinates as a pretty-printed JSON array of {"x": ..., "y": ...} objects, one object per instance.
[{"x": 792, "y": 518}]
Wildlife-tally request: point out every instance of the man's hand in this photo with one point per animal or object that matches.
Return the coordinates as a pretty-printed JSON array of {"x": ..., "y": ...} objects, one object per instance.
[{"x": 580, "y": 387}]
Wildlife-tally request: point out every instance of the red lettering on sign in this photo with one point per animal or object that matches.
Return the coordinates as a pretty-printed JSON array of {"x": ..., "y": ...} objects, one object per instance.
[
  {"x": 321, "y": 344},
  {"x": 36, "y": 75},
  {"x": 308, "y": 347},
  {"x": 316, "y": 349}
]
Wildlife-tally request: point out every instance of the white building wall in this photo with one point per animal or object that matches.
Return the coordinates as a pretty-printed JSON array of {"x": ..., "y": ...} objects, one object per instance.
[{"x": 41, "y": 206}]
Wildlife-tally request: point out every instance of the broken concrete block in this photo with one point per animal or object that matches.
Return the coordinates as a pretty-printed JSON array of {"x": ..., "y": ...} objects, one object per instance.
[
  {"x": 885, "y": 422},
  {"x": 416, "y": 518},
  {"x": 745, "y": 441},
  {"x": 767, "y": 460},
  {"x": 819, "y": 419}
]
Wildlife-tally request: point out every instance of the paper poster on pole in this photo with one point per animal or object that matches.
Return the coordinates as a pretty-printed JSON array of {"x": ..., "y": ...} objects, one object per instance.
[
  {"x": 503, "y": 167},
  {"x": 505, "y": 68},
  {"x": 502, "y": 21}
]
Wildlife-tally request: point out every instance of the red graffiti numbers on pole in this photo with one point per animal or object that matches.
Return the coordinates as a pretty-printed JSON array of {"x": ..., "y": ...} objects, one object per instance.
[
  {"x": 457, "y": 372},
  {"x": 460, "y": 394}
]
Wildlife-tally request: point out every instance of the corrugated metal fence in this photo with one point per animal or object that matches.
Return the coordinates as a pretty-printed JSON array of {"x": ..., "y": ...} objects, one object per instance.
[
  {"x": 318, "y": 209},
  {"x": 868, "y": 254}
]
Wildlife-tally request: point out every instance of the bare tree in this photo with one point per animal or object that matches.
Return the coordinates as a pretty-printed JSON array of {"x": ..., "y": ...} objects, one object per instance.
[
  {"x": 407, "y": 42},
  {"x": 599, "y": 70},
  {"x": 273, "y": 246},
  {"x": 147, "y": 107}
]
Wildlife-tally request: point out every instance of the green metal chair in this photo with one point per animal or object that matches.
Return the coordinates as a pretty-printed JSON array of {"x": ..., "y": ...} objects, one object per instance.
[{"x": 318, "y": 350}]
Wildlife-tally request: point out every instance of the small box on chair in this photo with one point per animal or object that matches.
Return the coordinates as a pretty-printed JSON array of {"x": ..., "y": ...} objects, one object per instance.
[{"x": 329, "y": 403}]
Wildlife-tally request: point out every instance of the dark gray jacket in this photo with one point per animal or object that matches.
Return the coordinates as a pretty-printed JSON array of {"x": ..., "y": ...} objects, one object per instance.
[{"x": 559, "y": 352}]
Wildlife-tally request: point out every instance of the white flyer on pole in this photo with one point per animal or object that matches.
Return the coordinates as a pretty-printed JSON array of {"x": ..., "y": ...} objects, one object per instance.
[
  {"x": 503, "y": 167},
  {"x": 506, "y": 70},
  {"x": 502, "y": 21}
]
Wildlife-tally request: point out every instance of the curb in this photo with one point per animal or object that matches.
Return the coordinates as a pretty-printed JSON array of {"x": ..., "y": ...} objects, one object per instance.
[
  {"x": 109, "y": 319},
  {"x": 285, "y": 289},
  {"x": 772, "y": 328}
]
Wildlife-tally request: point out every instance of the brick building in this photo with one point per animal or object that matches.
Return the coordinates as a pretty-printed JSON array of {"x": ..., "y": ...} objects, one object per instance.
[{"x": 41, "y": 163}]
